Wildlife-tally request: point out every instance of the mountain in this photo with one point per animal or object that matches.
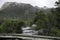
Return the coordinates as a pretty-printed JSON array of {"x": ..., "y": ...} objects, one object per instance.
[{"x": 15, "y": 10}]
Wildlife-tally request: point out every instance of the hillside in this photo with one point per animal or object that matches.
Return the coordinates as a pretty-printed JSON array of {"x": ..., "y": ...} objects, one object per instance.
[{"x": 15, "y": 10}]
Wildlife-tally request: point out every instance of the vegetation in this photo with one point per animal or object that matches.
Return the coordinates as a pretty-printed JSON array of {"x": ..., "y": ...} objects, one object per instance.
[
  {"x": 11, "y": 26},
  {"x": 49, "y": 21},
  {"x": 46, "y": 19}
]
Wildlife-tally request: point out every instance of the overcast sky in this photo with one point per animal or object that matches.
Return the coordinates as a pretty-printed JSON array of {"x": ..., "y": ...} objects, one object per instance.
[{"x": 40, "y": 3}]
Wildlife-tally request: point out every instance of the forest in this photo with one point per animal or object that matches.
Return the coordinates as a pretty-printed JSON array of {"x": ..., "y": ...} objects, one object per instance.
[{"x": 26, "y": 15}]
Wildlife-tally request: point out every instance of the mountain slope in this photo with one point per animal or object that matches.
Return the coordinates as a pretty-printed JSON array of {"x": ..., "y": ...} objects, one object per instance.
[{"x": 17, "y": 11}]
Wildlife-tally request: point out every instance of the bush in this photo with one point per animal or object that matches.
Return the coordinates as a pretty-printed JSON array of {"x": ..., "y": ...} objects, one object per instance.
[{"x": 11, "y": 26}]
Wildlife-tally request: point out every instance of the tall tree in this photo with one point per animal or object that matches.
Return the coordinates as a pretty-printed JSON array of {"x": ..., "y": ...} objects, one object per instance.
[
  {"x": 40, "y": 19},
  {"x": 58, "y": 14}
]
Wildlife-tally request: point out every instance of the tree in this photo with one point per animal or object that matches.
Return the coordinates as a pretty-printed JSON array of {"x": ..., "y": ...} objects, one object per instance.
[
  {"x": 58, "y": 14},
  {"x": 11, "y": 26},
  {"x": 51, "y": 20},
  {"x": 19, "y": 25},
  {"x": 40, "y": 19},
  {"x": 45, "y": 21}
]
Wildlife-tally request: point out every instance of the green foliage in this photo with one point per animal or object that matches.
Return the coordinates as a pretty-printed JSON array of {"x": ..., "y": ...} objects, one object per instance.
[
  {"x": 58, "y": 17},
  {"x": 48, "y": 22},
  {"x": 11, "y": 26},
  {"x": 55, "y": 32},
  {"x": 41, "y": 19}
]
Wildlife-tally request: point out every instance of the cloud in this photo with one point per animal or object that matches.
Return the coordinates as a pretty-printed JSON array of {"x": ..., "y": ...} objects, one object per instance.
[{"x": 40, "y": 3}]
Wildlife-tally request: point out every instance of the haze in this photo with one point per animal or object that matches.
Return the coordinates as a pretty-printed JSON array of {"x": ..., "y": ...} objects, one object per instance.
[{"x": 39, "y": 3}]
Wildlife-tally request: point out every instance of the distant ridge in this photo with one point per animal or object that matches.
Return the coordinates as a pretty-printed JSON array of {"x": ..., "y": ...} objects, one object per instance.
[{"x": 17, "y": 11}]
